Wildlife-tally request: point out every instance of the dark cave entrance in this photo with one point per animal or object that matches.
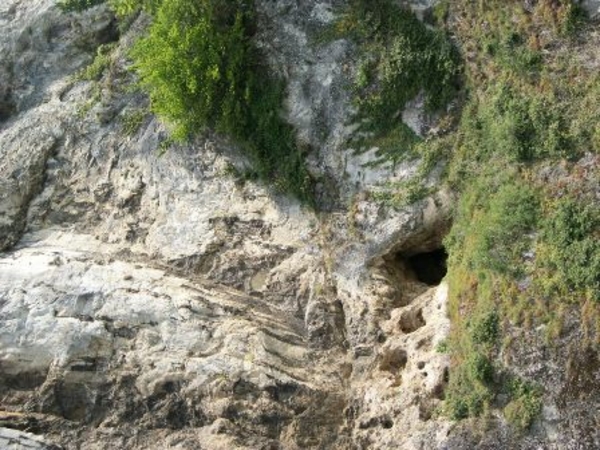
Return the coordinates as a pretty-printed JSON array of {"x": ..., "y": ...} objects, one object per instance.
[
  {"x": 413, "y": 266},
  {"x": 428, "y": 267}
]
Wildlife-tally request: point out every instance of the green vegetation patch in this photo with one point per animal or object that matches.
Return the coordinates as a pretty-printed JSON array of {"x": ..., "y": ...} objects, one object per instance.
[
  {"x": 493, "y": 225},
  {"x": 525, "y": 236},
  {"x": 468, "y": 394},
  {"x": 403, "y": 193},
  {"x": 126, "y": 8},
  {"x": 202, "y": 70},
  {"x": 525, "y": 404},
  {"x": 101, "y": 62},
  {"x": 570, "y": 247},
  {"x": 401, "y": 58},
  {"x": 132, "y": 120},
  {"x": 122, "y": 8}
]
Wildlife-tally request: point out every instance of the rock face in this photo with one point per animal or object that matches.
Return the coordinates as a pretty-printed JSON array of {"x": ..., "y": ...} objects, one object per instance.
[
  {"x": 151, "y": 299},
  {"x": 155, "y": 300},
  {"x": 106, "y": 341}
]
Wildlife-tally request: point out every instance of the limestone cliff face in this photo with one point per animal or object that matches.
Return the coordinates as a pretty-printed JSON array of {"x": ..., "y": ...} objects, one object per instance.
[{"x": 151, "y": 299}]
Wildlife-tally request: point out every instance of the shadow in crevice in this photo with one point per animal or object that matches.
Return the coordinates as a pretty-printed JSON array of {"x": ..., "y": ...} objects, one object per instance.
[
  {"x": 410, "y": 273},
  {"x": 428, "y": 267}
]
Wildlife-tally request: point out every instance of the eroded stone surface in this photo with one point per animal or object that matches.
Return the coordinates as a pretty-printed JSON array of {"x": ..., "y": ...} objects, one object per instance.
[
  {"x": 152, "y": 300},
  {"x": 159, "y": 300}
]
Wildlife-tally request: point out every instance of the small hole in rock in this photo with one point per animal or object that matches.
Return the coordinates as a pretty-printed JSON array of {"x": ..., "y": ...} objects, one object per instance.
[
  {"x": 425, "y": 342},
  {"x": 425, "y": 411},
  {"x": 438, "y": 391},
  {"x": 429, "y": 267},
  {"x": 411, "y": 321},
  {"x": 420, "y": 365},
  {"x": 387, "y": 423},
  {"x": 393, "y": 360},
  {"x": 170, "y": 387},
  {"x": 7, "y": 106}
]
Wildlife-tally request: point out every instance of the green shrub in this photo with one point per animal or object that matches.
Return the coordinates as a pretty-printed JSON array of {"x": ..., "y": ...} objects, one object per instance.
[
  {"x": 126, "y": 8},
  {"x": 525, "y": 404},
  {"x": 505, "y": 122},
  {"x": 442, "y": 346},
  {"x": 511, "y": 214},
  {"x": 395, "y": 145},
  {"x": 486, "y": 329},
  {"x": 400, "y": 194},
  {"x": 570, "y": 231},
  {"x": 402, "y": 58},
  {"x": 189, "y": 66},
  {"x": 522, "y": 411},
  {"x": 480, "y": 368},
  {"x": 492, "y": 223},
  {"x": 441, "y": 11},
  {"x": 466, "y": 396},
  {"x": 571, "y": 222},
  {"x": 202, "y": 70}
]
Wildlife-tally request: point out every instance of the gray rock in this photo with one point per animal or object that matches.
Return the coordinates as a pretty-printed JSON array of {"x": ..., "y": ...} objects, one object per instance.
[
  {"x": 18, "y": 440},
  {"x": 153, "y": 300}
]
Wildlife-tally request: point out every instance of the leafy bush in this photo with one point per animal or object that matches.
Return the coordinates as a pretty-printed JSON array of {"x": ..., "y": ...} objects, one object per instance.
[
  {"x": 403, "y": 57},
  {"x": 480, "y": 368},
  {"x": 511, "y": 214},
  {"x": 491, "y": 227},
  {"x": 466, "y": 395},
  {"x": 522, "y": 411},
  {"x": 525, "y": 405},
  {"x": 571, "y": 232},
  {"x": 485, "y": 330},
  {"x": 201, "y": 69}
]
